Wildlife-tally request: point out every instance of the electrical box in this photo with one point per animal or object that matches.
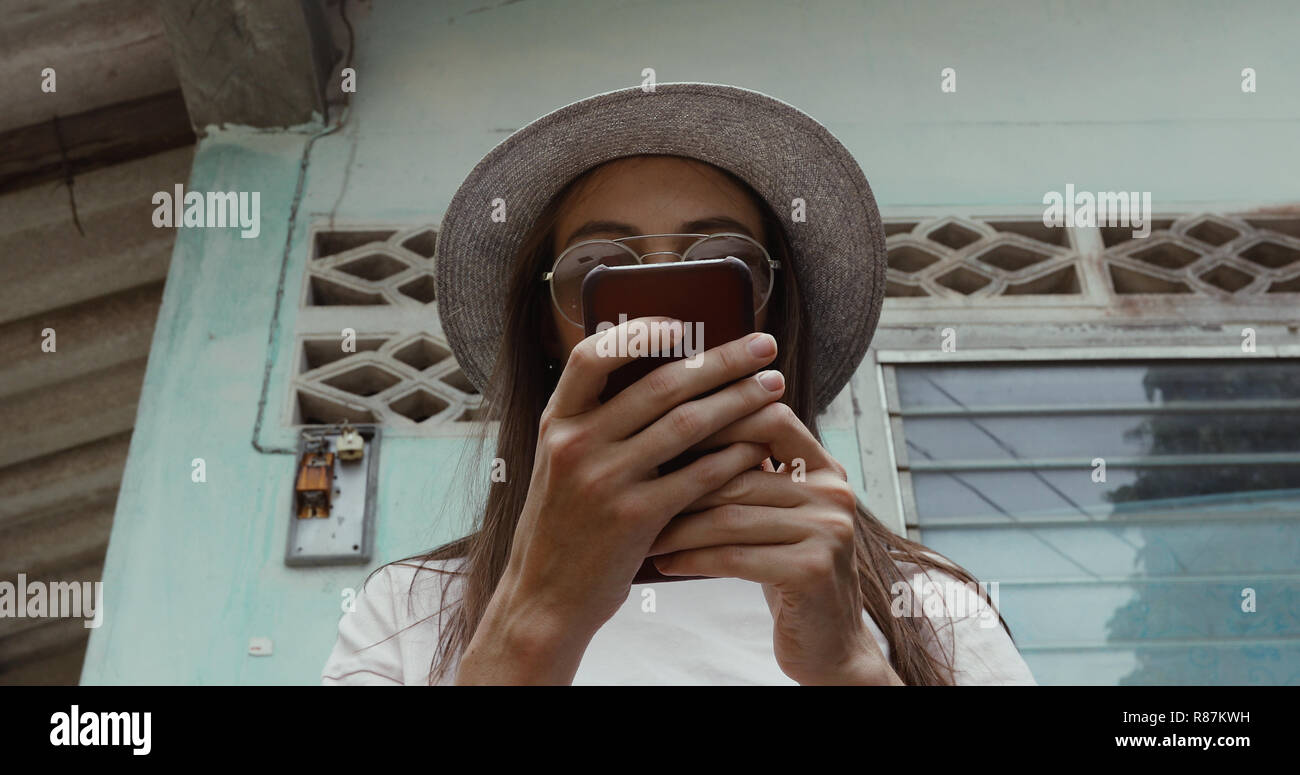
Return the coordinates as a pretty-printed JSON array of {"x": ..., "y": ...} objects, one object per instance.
[
  {"x": 315, "y": 488},
  {"x": 335, "y": 485},
  {"x": 350, "y": 444}
]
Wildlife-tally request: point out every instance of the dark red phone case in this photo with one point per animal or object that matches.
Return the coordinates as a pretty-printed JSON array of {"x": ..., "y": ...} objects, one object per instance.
[{"x": 717, "y": 294}]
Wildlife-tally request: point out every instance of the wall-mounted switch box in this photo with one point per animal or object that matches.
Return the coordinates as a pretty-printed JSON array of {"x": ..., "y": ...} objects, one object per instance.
[
  {"x": 350, "y": 444},
  {"x": 332, "y": 518}
]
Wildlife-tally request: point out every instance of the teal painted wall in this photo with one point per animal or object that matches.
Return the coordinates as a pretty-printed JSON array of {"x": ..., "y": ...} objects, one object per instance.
[{"x": 1114, "y": 96}]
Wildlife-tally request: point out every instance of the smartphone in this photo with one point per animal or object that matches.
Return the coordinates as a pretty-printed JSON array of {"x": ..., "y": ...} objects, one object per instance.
[{"x": 714, "y": 299}]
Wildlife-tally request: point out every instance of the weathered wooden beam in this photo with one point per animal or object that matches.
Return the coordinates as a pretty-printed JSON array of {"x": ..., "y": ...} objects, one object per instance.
[
  {"x": 93, "y": 335},
  {"x": 58, "y": 417},
  {"x": 57, "y": 668},
  {"x": 48, "y": 485},
  {"x": 76, "y": 536},
  {"x": 102, "y": 51},
  {"x": 48, "y": 264},
  {"x": 262, "y": 64},
  {"x": 79, "y": 143},
  {"x": 48, "y": 638}
]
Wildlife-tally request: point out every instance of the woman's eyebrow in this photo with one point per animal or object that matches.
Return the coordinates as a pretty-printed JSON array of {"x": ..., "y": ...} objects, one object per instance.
[
  {"x": 716, "y": 222},
  {"x": 602, "y": 227}
]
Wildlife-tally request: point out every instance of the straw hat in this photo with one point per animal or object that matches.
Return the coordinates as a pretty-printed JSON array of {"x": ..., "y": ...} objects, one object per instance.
[{"x": 837, "y": 253}]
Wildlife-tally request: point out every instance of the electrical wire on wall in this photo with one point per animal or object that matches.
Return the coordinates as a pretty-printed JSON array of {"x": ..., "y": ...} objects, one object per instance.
[{"x": 273, "y": 333}]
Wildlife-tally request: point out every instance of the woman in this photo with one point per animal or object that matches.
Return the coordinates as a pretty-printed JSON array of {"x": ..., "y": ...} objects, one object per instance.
[{"x": 542, "y": 590}]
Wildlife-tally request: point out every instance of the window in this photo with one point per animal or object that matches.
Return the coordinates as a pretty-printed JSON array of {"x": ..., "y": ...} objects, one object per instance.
[
  {"x": 1013, "y": 360},
  {"x": 1129, "y": 509}
]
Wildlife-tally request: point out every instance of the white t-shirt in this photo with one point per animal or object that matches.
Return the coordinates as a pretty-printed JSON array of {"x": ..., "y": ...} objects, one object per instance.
[{"x": 702, "y": 631}]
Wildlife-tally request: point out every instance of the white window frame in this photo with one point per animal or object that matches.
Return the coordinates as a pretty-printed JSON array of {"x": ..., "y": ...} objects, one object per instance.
[{"x": 889, "y": 492}]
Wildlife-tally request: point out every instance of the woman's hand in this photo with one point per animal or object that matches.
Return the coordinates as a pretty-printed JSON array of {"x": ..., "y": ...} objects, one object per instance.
[
  {"x": 792, "y": 530},
  {"x": 596, "y": 502}
]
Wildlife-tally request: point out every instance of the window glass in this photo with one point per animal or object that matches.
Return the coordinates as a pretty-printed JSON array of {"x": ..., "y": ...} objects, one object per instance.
[{"x": 1142, "y": 519}]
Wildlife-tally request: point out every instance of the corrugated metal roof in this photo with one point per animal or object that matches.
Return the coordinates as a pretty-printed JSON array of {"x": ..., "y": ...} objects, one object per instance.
[{"x": 67, "y": 415}]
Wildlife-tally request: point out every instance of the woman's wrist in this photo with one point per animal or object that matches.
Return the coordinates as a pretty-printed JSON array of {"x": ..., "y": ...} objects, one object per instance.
[
  {"x": 869, "y": 671},
  {"x": 520, "y": 641},
  {"x": 876, "y": 674},
  {"x": 864, "y": 669}
]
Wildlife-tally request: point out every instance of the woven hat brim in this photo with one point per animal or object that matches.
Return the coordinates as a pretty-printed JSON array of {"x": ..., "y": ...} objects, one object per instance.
[{"x": 837, "y": 254}]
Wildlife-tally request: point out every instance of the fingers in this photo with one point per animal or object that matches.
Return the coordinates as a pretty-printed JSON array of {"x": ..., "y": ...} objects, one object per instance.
[
  {"x": 693, "y": 421},
  {"x": 754, "y": 488},
  {"x": 671, "y": 493},
  {"x": 777, "y": 426},
  {"x": 761, "y": 563},
  {"x": 593, "y": 359},
  {"x": 655, "y": 394},
  {"x": 729, "y": 524}
]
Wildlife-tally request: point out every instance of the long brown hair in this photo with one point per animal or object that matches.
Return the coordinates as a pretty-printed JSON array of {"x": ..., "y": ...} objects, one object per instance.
[{"x": 520, "y": 387}]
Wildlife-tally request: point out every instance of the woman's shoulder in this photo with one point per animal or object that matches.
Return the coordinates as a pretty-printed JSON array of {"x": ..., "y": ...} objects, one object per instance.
[
  {"x": 390, "y": 628},
  {"x": 417, "y": 587},
  {"x": 937, "y": 588},
  {"x": 966, "y": 618},
  {"x": 421, "y": 569}
]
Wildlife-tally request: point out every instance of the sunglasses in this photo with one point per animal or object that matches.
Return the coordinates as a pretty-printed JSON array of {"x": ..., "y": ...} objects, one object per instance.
[{"x": 572, "y": 266}]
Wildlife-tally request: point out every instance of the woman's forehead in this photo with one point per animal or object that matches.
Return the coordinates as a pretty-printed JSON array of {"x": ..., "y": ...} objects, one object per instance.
[{"x": 655, "y": 194}]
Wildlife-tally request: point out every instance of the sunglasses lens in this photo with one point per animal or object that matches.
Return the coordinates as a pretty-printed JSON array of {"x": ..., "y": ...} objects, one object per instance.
[
  {"x": 744, "y": 249},
  {"x": 566, "y": 282}
]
